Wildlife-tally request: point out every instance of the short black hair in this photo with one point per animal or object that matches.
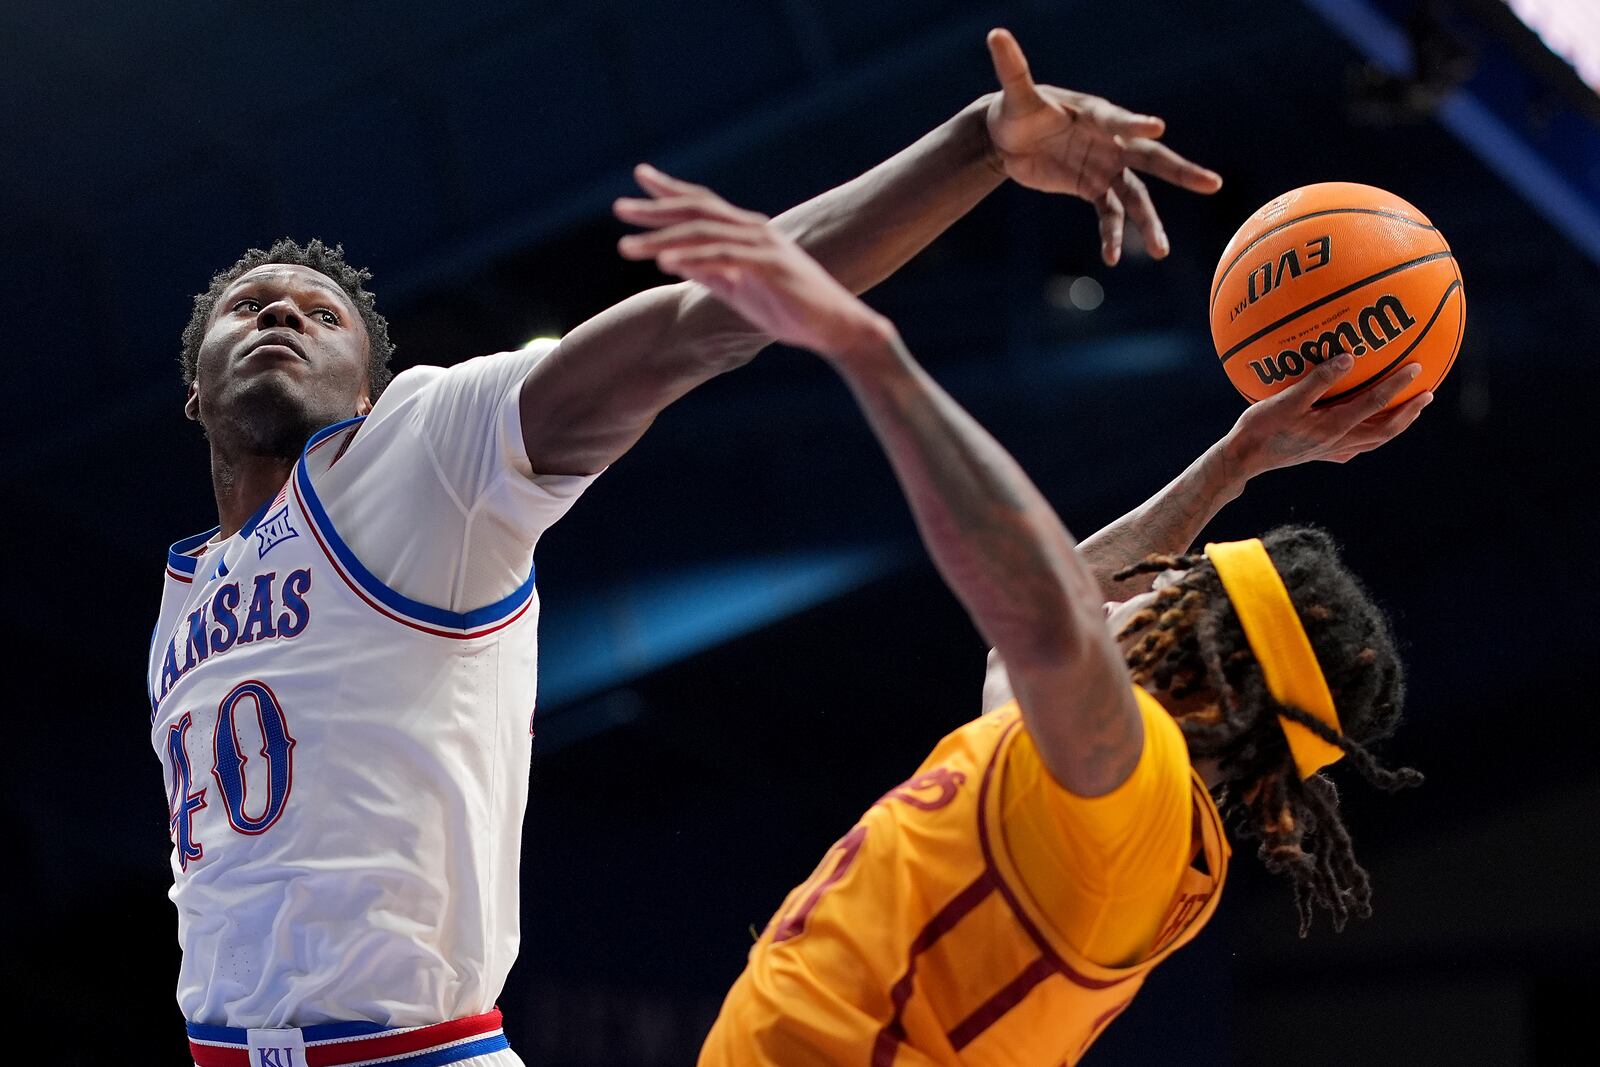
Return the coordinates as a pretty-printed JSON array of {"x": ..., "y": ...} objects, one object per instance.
[
  {"x": 1191, "y": 642},
  {"x": 326, "y": 261}
]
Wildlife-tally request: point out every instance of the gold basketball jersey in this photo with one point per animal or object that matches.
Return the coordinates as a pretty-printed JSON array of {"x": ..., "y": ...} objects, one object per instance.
[{"x": 916, "y": 940}]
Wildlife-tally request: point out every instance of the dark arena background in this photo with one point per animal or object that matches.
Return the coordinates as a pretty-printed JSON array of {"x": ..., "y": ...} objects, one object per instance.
[{"x": 743, "y": 643}]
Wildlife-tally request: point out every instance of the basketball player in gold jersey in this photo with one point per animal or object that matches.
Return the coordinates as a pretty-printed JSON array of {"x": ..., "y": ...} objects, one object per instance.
[{"x": 1006, "y": 901}]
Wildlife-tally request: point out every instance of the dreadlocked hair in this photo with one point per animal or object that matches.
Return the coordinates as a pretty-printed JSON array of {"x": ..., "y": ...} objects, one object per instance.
[
  {"x": 1190, "y": 644},
  {"x": 326, "y": 261}
]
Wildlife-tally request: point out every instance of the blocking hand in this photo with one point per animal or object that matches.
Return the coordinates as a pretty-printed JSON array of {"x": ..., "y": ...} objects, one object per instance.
[{"x": 1060, "y": 141}]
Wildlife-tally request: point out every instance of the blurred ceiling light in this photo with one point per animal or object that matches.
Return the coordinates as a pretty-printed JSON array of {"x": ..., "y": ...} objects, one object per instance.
[
  {"x": 1086, "y": 294},
  {"x": 1074, "y": 294}
]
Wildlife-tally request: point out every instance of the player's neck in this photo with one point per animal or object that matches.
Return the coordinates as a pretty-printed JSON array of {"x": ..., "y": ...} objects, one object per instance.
[{"x": 244, "y": 482}]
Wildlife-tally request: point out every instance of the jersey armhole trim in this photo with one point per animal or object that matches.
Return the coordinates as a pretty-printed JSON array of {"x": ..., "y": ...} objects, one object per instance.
[
  {"x": 1074, "y": 971},
  {"x": 183, "y": 558},
  {"x": 180, "y": 563},
  {"x": 441, "y": 622}
]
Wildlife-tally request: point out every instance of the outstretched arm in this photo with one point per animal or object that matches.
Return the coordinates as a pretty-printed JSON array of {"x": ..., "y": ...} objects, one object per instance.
[
  {"x": 596, "y": 394},
  {"x": 1283, "y": 431},
  {"x": 591, "y": 399},
  {"x": 998, "y": 544}
]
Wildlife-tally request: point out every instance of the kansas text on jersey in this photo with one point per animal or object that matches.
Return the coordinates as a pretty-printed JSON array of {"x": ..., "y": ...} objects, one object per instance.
[{"x": 346, "y": 766}]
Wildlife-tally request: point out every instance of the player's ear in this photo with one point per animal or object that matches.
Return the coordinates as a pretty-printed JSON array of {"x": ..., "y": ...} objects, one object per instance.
[
  {"x": 191, "y": 403},
  {"x": 363, "y": 404}
]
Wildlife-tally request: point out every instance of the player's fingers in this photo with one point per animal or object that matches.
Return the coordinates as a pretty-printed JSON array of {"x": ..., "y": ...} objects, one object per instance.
[
  {"x": 721, "y": 280},
  {"x": 1064, "y": 100},
  {"x": 1118, "y": 120},
  {"x": 671, "y": 210},
  {"x": 1386, "y": 391},
  {"x": 1093, "y": 163},
  {"x": 1011, "y": 68},
  {"x": 722, "y": 270},
  {"x": 1384, "y": 427},
  {"x": 1157, "y": 160},
  {"x": 1405, "y": 413},
  {"x": 1111, "y": 213},
  {"x": 696, "y": 232},
  {"x": 1366, "y": 404},
  {"x": 1142, "y": 213},
  {"x": 715, "y": 254},
  {"x": 1305, "y": 393},
  {"x": 658, "y": 183}
]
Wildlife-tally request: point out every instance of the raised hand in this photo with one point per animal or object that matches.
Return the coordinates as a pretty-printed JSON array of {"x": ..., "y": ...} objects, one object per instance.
[
  {"x": 754, "y": 268},
  {"x": 1288, "y": 428},
  {"x": 1060, "y": 141}
]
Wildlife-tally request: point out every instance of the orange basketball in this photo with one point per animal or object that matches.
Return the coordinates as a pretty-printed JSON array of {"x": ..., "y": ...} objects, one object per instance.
[{"x": 1330, "y": 268}]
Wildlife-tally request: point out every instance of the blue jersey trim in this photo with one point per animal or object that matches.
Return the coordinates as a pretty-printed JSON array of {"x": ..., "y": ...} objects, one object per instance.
[
  {"x": 455, "y": 1054},
  {"x": 320, "y": 1032},
  {"x": 202, "y": 1032},
  {"x": 178, "y": 557},
  {"x": 370, "y": 582}
]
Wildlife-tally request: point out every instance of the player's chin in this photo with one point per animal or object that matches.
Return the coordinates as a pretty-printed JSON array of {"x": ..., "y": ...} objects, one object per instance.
[
  {"x": 274, "y": 386},
  {"x": 276, "y": 413}
]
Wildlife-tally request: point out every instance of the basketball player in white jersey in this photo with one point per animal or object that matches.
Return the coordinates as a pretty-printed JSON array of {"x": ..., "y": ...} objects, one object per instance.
[{"x": 343, "y": 670}]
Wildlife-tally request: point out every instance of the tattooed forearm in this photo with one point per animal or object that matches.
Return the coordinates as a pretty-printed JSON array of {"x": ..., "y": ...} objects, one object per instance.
[
  {"x": 1167, "y": 523},
  {"x": 1007, "y": 557},
  {"x": 993, "y": 536}
]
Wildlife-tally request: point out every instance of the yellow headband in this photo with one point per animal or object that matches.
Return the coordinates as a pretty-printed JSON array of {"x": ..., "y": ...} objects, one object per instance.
[{"x": 1281, "y": 646}]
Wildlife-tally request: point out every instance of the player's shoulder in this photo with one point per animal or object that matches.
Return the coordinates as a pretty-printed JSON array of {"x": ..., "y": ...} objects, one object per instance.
[
  {"x": 491, "y": 373},
  {"x": 407, "y": 384},
  {"x": 977, "y": 740}
]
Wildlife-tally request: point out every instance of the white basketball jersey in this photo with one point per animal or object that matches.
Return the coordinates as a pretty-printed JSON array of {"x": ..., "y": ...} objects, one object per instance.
[{"x": 347, "y": 771}]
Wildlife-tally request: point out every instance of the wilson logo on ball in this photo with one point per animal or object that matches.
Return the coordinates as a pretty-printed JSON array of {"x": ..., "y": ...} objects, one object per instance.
[
  {"x": 1269, "y": 275},
  {"x": 1374, "y": 327},
  {"x": 1276, "y": 312}
]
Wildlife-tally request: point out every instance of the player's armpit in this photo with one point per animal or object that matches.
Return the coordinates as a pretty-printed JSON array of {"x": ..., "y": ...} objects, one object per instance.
[{"x": 996, "y": 684}]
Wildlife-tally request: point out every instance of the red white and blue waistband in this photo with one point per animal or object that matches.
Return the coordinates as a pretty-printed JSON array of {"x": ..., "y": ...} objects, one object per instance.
[{"x": 356, "y": 1044}]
